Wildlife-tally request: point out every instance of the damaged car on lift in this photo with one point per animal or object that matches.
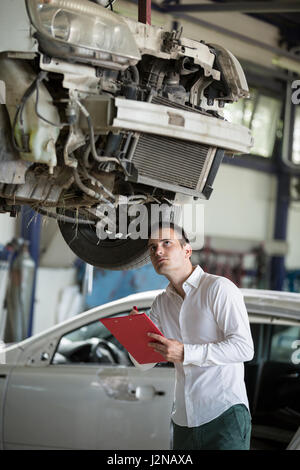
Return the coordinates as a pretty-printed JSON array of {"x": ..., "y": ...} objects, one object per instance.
[{"x": 101, "y": 112}]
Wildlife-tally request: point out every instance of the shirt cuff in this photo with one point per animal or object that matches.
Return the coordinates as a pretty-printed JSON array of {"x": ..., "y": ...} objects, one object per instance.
[{"x": 193, "y": 354}]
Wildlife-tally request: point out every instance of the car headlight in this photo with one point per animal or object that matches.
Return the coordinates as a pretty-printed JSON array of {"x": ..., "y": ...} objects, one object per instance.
[{"x": 82, "y": 30}]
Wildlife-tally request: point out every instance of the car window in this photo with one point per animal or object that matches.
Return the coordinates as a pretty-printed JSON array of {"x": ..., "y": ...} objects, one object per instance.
[
  {"x": 93, "y": 343},
  {"x": 285, "y": 344}
]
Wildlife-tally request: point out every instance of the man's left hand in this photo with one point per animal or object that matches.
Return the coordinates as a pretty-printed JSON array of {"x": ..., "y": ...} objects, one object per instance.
[{"x": 171, "y": 349}]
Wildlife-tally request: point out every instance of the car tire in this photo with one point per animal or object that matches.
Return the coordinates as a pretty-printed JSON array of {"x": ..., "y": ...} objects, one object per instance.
[{"x": 117, "y": 254}]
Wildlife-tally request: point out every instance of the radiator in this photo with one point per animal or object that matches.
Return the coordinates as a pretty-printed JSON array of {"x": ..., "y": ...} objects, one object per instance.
[{"x": 175, "y": 164}]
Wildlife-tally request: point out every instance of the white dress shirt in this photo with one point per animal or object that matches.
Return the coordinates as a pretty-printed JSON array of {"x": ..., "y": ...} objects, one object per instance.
[{"x": 212, "y": 323}]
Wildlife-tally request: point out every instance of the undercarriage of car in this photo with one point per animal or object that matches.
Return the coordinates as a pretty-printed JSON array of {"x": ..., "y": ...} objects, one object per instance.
[{"x": 133, "y": 122}]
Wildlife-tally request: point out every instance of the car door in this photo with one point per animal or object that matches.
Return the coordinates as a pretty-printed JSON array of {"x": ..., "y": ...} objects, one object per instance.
[
  {"x": 276, "y": 401},
  {"x": 89, "y": 397}
]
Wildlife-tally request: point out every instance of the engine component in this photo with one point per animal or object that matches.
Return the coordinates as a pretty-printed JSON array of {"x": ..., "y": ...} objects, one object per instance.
[
  {"x": 39, "y": 188},
  {"x": 233, "y": 75},
  {"x": 180, "y": 124},
  {"x": 101, "y": 109},
  {"x": 12, "y": 168},
  {"x": 34, "y": 136}
]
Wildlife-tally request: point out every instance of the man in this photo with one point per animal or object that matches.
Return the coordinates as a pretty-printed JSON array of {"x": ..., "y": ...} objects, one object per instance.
[{"x": 207, "y": 336}]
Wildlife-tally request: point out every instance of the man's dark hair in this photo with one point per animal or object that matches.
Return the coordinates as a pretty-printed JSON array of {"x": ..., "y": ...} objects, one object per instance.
[{"x": 182, "y": 236}]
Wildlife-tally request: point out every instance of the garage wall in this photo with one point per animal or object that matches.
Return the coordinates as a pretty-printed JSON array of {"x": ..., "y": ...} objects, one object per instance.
[
  {"x": 241, "y": 210},
  {"x": 7, "y": 228},
  {"x": 242, "y": 204},
  {"x": 54, "y": 252},
  {"x": 57, "y": 297},
  {"x": 57, "y": 293}
]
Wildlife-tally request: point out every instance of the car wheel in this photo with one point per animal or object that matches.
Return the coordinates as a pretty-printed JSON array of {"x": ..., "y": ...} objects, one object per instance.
[{"x": 113, "y": 254}]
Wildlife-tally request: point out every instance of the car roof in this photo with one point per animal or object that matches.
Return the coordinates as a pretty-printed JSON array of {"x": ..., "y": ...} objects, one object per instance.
[
  {"x": 263, "y": 303},
  {"x": 279, "y": 304}
]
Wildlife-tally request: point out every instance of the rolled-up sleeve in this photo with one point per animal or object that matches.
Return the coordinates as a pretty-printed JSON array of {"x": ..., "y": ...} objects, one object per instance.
[{"x": 230, "y": 314}]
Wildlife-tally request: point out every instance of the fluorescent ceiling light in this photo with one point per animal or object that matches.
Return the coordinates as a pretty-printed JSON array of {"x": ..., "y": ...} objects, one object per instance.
[{"x": 288, "y": 64}]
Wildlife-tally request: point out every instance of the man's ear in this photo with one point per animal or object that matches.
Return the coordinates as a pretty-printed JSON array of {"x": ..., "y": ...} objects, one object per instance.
[{"x": 188, "y": 250}]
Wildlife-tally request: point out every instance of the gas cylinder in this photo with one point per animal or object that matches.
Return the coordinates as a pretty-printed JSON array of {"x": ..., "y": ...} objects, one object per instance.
[{"x": 19, "y": 294}]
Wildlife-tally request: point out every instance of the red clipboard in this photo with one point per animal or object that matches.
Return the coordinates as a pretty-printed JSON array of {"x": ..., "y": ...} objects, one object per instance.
[{"x": 131, "y": 331}]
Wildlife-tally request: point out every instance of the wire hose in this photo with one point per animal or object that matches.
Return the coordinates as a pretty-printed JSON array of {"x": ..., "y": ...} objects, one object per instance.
[
  {"x": 135, "y": 73},
  {"x": 19, "y": 114},
  {"x": 100, "y": 185},
  {"x": 40, "y": 78},
  {"x": 92, "y": 136},
  {"x": 89, "y": 191},
  {"x": 63, "y": 218}
]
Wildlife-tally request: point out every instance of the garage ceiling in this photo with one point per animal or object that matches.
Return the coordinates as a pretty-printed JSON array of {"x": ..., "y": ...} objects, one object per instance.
[
  {"x": 287, "y": 21},
  {"x": 284, "y": 14}
]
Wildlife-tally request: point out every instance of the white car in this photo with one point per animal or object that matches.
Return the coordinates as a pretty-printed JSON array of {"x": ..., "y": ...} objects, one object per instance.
[
  {"x": 74, "y": 387},
  {"x": 104, "y": 117}
]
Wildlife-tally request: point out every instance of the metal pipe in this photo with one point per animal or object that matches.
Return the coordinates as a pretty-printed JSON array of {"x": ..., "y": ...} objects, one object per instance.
[
  {"x": 144, "y": 11},
  {"x": 31, "y": 231},
  {"x": 278, "y": 271},
  {"x": 92, "y": 136},
  {"x": 280, "y": 6}
]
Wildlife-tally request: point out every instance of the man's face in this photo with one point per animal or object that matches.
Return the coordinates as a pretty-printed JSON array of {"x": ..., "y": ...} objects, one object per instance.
[{"x": 166, "y": 252}]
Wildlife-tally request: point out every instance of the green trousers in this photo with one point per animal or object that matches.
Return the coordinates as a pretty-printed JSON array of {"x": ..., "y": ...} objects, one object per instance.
[{"x": 229, "y": 431}]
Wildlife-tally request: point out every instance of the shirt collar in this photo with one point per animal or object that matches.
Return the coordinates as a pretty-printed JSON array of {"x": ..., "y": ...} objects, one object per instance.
[{"x": 193, "y": 280}]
